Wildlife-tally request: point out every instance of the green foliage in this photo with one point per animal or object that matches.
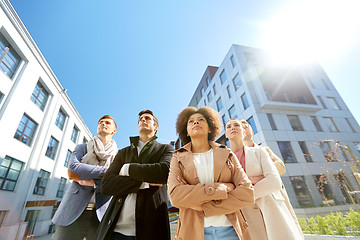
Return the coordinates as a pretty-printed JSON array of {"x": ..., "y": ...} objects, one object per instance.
[{"x": 333, "y": 224}]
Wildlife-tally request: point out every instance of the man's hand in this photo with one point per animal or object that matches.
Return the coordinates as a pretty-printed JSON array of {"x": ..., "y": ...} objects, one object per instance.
[
  {"x": 155, "y": 184},
  {"x": 256, "y": 179},
  {"x": 89, "y": 183}
]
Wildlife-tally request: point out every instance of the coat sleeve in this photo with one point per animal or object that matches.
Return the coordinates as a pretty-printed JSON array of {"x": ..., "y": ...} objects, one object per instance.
[
  {"x": 242, "y": 196},
  {"x": 271, "y": 182},
  {"x": 279, "y": 164},
  {"x": 113, "y": 184},
  {"x": 83, "y": 170},
  {"x": 191, "y": 196},
  {"x": 153, "y": 172}
]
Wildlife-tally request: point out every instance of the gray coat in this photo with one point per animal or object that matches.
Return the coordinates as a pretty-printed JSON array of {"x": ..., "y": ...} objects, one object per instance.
[{"x": 77, "y": 197}]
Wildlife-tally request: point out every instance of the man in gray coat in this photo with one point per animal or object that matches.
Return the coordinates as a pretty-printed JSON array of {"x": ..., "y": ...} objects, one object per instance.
[{"x": 76, "y": 217}]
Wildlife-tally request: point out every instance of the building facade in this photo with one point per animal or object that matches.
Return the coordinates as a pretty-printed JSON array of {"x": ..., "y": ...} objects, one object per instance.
[
  {"x": 39, "y": 128},
  {"x": 297, "y": 112}
]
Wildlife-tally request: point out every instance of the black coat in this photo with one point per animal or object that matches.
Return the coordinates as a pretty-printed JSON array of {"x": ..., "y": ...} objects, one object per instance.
[{"x": 152, "y": 166}]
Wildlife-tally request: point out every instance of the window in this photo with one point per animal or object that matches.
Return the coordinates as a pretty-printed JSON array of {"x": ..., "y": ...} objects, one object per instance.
[
  {"x": 60, "y": 191},
  {"x": 74, "y": 134},
  {"x": 305, "y": 151},
  {"x": 224, "y": 120},
  {"x": 351, "y": 127},
  {"x": 68, "y": 154},
  {"x": 322, "y": 102},
  {"x": 209, "y": 97},
  {"x": 331, "y": 124},
  {"x": 322, "y": 183},
  {"x": 207, "y": 81},
  {"x": 333, "y": 103},
  {"x": 2, "y": 216},
  {"x": 60, "y": 119},
  {"x": 214, "y": 88},
  {"x": 343, "y": 185},
  {"x": 233, "y": 64},
  {"x": 244, "y": 101},
  {"x": 325, "y": 84},
  {"x": 202, "y": 92},
  {"x": 197, "y": 101},
  {"x": 223, "y": 76},
  {"x": 237, "y": 82},
  {"x": 287, "y": 152},
  {"x": 26, "y": 130},
  {"x": 10, "y": 169},
  {"x": 204, "y": 102},
  {"x": 271, "y": 121},
  {"x": 327, "y": 151},
  {"x": 252, "y": 123},
  {"x": 301, "y": 191},
  {"x": 228, "y": 91},
  {"x": 316, "y": 124},
  {"x": 232, "y": 112},
  {"x": 52, "y": 148},
  {"x": 295, "y": 123},
  {"x": 85, "y": 140},
  {"x": 9, "y": 59},
  {"x": 219, "y": 104},
  {"x": 40, "y": 96},
  {"x": 1, "y": 97},
  {"x": 41, "y": 182}
]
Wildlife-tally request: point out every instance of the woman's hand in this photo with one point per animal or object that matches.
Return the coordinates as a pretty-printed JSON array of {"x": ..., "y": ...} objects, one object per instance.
[
  {"x": 229, "y": 187},
  {"x": 256, "y": 179},
  {"x": 89, "y": 183}
]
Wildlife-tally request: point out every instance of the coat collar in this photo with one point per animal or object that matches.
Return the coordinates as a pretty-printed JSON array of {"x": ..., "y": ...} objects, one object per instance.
[
  {"x": 220, "y": 153},
  {"x": 146, "y": 150}
]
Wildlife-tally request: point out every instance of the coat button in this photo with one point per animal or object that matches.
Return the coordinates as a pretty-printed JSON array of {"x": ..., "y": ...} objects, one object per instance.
[
  {"x": 109, "y": 223},
  {"x": 245, "y": 225},
  {"x": 119, "y": 200}
]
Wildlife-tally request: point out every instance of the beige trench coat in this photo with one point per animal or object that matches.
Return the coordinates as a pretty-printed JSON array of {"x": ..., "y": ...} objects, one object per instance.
[
  {"x": 196, "y": 200},
  {"x": 270, "y": 203}
]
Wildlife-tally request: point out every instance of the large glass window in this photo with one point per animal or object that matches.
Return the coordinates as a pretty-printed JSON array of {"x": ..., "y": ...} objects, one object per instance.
[
  {"x": 237, "y": 81},
  {"x": 26, "y": 130},
  {"x": 344, "y": 185},
  {"x": 74, "y": 134},
  {"x": 207, "y": 81},
  {"x": 287, "y": 152},
  {"x": 271, "y": 121},
  {"x": 322, "y": 102},
  {"x": 10, "y": 169},
  {"x": 333, "y": 103},
  {"x": 327, "y": 151},
  {"x": 224, "y": 120},
  {"x": 305, "y": 151},
  {"x": 323, "y": 185},
  {"x": 40, "y": 96},
  {"x": 331, "y": 124},
  {"x": 301, "y": 191},
  {"x": 41, "y": 182},
  {"x": 295, "y": 123},
  {"x": 244, "y": 101},
  {"x": 68, "y": 154},
  {"x": 251, "y": 121},
  {"x": 209, "y": 97},
  {"x": 215, "y": 89},
  {"x": 60, "y": 191},
  {"x": 223, "y": 76},
  {"x": 2, "y": 216},
  {"x": 316, "y": 124},
  {"x": 52, "y": 148},
  {"x": 60, "y": 119},
  {"x": 232, "y": 112},
  {"x": 9, "y": 59},
  {"x": 232, "y": 60},
  {"x": 351, "y": 127},
  {"x": 228, "y": 91},
  {"x": 219, "y": 104},
  {"x": 202, "y": 92}
]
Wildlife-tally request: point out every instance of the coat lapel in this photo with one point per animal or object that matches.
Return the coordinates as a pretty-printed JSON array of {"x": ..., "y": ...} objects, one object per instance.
[
  {"x": 250, "y": 157},
  {"x": 187, "y": 160}
]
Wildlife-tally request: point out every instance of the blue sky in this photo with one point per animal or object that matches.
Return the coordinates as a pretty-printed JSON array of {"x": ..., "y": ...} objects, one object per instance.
[{"x": 119, "y": 57}]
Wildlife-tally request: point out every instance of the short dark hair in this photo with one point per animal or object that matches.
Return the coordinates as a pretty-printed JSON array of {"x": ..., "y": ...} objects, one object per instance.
[
  {"x": 212, "y": 119},
  {"x": 151, "y": 113},
  {"x": 107, "y": 117}
]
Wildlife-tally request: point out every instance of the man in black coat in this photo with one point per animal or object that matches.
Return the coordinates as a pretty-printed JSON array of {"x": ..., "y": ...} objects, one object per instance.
[{"x": 136, "y": 179}]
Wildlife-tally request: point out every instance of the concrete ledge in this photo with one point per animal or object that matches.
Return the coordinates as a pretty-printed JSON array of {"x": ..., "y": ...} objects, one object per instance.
[{"x": 329, "y": 237}]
